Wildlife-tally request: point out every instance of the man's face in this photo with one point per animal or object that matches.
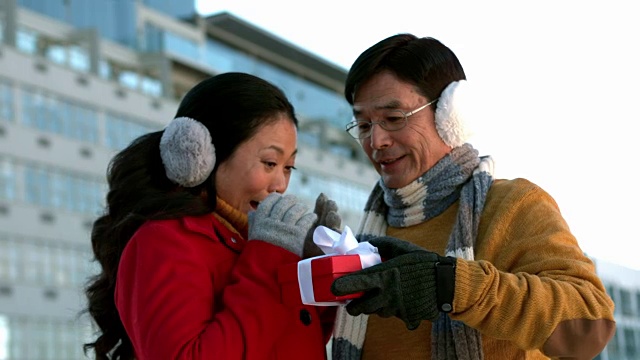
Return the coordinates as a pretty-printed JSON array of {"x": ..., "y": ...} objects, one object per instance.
[{"x": 399, "y": 156}]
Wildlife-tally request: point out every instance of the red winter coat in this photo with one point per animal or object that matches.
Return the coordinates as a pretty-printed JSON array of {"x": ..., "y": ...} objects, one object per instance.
[{"x": 192, "y": 289}]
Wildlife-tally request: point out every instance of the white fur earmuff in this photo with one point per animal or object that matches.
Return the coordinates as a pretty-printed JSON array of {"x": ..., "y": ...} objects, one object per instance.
[
  {"x": 450, "y": 114},
  {"x": 187, "y": 152}
]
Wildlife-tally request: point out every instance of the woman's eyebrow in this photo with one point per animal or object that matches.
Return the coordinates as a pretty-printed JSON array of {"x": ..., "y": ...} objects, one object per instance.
[{"x": 279, "y": 149}]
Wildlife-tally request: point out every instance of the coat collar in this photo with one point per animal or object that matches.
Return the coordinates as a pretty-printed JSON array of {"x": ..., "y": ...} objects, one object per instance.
[{"x": 212, "y": 227}]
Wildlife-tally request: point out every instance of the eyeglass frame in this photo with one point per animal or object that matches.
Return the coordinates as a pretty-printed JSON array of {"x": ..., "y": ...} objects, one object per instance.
[{"x": 381, "y": 123}]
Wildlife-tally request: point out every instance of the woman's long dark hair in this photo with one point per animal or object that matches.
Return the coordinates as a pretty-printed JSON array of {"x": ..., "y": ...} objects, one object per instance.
[{"x": 233, "y": 106}]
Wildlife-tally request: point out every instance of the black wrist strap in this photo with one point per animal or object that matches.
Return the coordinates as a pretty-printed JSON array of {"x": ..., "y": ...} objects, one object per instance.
[{"x": 445, "y": 283}]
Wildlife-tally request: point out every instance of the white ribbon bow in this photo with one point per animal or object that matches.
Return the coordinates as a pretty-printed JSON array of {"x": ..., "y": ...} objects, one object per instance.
[{"x": 333, "y": 243}]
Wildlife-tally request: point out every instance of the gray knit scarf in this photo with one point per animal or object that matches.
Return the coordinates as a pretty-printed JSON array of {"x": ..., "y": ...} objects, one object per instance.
[{"x": 461, "y": 175}]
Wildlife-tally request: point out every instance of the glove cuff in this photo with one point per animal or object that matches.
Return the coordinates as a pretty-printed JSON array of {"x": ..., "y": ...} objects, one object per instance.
[
  {"x": 445, "y": 283},
  {"x": 296, "y": 248}
]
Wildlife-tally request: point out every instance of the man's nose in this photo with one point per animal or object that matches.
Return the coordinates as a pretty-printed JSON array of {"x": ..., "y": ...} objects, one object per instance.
[{"x": 379, "y": 137}]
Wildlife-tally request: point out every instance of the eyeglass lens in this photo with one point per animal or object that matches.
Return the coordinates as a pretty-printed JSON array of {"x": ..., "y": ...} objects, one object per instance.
[{"x": 390, "y": 120}]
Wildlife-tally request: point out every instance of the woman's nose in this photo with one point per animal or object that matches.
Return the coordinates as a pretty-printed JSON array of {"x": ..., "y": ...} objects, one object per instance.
[{"x": 278, "y": 184}]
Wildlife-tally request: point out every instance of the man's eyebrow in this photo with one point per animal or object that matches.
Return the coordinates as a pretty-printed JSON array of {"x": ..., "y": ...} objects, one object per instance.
[{"x": 392, "y": 104}]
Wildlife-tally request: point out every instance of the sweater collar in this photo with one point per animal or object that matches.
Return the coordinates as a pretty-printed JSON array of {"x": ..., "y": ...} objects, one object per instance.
[{"x": 232, "y": 218}]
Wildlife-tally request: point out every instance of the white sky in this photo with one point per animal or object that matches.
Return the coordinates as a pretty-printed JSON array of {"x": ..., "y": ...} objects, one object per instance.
[{"x": 557, "y": 84}]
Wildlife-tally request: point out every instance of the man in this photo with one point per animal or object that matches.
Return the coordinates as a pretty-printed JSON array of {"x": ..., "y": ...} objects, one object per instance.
[{"x": 485, "y": 268}]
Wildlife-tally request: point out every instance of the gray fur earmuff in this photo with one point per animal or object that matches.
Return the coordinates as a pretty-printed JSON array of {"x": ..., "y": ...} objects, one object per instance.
[
  {"x": 187, "y": 152},
  {"x": 450, "y": 114}
]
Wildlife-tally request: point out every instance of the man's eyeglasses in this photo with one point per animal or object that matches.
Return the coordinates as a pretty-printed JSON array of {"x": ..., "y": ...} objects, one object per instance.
[{"x": 392, "y": 120}]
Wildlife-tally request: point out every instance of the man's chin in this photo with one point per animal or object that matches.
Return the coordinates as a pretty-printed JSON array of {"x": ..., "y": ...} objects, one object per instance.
[{"x": 395, "y": 181}]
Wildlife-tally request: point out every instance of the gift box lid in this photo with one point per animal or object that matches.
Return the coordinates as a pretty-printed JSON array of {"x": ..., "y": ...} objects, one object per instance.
[{"x": 323, "y": 265}]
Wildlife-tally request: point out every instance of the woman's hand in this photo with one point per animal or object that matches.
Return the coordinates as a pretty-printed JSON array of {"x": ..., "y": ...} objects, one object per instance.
[{"x": 282, "y": 220}]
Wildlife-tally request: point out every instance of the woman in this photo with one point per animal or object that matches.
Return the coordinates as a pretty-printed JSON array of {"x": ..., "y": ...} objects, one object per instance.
[{"x": 180, "y": 278}]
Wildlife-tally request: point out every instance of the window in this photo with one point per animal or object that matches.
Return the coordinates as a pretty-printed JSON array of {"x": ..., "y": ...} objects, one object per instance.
[
  {"x": 86, "y": 124},
  {"x": 6, "y": 101},
  {"x": 32, "y": 262},
  {"x": 61, "y": 190},
  {"x": 46, "y": 338},
  {"x": 19, "y": 338},
  {"x": 181, "y": 46},
  {"x": 151, "y": 86},
  {"x": 630, "y": 345},
  {"x": 7, "y": 179},
  {"x": 36, "y": 262},
  {"x": 122, "y": 130},
  {"x": 625, "y": 302},
  {"x": 153, "y": 38},
  {"x": 128, "y": 79},
  {"x": 309, "y": 99},
  {"x": 36, "y": 186},
  {"x": 56, "y": 53},
  {"x": 9, "y": 260},
  {"x": 105, "y": 70},
  {"x": 59, "y": 116},
  {"x": 4, "y": 337},
  {"x": 26, "y": 40},
  {"x": 79, "y": 58}
]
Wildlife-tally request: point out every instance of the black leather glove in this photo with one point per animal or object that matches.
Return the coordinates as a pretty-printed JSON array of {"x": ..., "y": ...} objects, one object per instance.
[
  {"x": 327, "y": 212},
  {"x": 411, "y": 283}
]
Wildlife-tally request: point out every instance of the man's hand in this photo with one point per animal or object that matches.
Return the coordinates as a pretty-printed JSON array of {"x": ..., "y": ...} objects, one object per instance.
[{"x": 404, "y": 285}]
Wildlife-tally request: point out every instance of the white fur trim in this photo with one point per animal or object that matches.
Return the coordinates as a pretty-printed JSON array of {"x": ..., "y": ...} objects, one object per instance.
[
  {"x": 187, "y": 152},
  {"x": 450, "y": 114}
]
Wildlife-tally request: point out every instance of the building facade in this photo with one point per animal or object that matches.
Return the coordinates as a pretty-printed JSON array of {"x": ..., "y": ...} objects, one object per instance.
[{"x": 78, "y": 81}]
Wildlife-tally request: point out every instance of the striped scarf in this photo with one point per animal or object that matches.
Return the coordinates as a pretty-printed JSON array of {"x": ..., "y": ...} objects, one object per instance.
[{"x": 460, "y": 175}]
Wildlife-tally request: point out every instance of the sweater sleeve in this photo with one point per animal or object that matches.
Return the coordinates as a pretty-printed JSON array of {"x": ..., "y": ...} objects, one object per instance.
[
  {"x": 539, "y": 290},
  {"x": 166, "y": 299}
]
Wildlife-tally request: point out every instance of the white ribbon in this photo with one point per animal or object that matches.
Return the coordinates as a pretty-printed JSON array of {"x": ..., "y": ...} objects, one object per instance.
[{"x": 333, "y": 243}]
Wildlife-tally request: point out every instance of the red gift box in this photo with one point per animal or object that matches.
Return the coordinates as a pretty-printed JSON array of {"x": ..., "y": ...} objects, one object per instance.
[{"x": 324, "y": 270}]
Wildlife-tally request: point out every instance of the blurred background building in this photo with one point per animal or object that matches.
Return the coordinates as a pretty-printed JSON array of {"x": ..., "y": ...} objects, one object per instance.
[
  {"x": 79, "y": 80},
  {"x": 623, "y": 285}
]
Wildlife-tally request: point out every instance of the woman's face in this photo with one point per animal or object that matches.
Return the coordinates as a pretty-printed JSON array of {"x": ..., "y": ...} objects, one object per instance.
[{"x": 259, "y": 166}]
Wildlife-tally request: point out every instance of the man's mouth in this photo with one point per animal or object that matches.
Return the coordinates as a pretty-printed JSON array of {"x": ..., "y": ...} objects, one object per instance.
[
  {"x": 389, "y": 161},
  {"x": 254, "y": 204}
]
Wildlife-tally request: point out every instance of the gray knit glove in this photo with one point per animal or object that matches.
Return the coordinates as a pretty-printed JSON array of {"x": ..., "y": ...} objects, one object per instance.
[
  {"x": 282, "y": 220},
  {"x": 411, "y": 283},
  {"x": 327, "y": 212}
]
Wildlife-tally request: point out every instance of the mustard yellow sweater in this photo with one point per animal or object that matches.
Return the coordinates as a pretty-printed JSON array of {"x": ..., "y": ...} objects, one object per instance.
[{"x": 531, "y": 291}]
